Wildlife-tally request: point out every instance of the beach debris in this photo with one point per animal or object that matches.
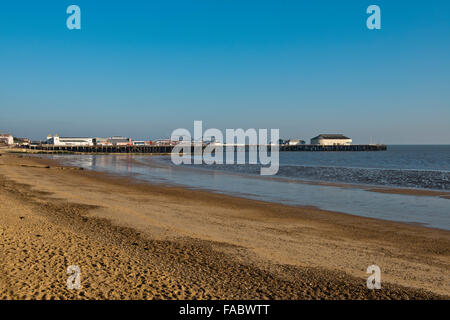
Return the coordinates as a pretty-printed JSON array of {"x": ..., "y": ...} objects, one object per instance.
[{"x": 70, "y": 168}]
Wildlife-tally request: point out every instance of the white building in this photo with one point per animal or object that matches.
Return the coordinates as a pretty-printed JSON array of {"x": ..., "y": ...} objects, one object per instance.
[
  {"x": 102, "y": 142},
  {"x": 120, "y": 141},
  {"x": 331, "y": 140},
  {"x": 141, "y": 143},
  {"x": 295, "y": 142},
  {"x": 7, "y": 139},
  {"x": 69, "y": 141},
  {"x": 165, "y": 142}
]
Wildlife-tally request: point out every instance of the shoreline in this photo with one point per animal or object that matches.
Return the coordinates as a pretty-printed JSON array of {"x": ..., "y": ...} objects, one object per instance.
[
  {"x": 396, "y": 216},
  {"x": 369, "y": 188},
  {"x": 131, "y": 180},
  {"x": 366, "y": 187},
  {"x": 267, "y": 240}
]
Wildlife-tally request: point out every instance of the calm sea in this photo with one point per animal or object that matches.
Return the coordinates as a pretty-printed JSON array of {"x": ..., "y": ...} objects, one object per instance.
[{"x": 419, "y": 167}]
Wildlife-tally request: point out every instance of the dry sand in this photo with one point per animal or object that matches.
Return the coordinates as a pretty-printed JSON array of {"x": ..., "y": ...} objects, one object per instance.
[{"x": 140, "y": 241}]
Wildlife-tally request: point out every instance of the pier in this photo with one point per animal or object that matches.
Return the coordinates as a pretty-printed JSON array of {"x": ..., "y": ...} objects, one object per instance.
[
  {"x": 168, "y": 149},
  {"x": 352, "y": 147}
]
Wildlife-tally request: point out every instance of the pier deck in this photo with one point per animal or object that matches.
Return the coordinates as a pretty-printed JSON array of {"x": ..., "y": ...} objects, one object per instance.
[{"x": 168, "y": 149}]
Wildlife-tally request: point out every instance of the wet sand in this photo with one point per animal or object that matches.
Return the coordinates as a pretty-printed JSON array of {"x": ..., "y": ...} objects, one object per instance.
[
  {"x": 413, "y": 192},
  {"x": 140, "y": 241}
]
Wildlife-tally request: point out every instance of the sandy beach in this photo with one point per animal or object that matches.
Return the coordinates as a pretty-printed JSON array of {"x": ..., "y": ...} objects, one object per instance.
[{"x": 140, "y": 241}]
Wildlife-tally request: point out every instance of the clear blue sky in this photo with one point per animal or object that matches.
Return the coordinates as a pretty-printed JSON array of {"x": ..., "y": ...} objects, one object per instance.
[{"x": 144, "y": 68}]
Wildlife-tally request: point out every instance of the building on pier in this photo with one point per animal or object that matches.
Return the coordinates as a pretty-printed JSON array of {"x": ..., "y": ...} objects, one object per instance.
[
  {"x": 165, "y": 142},
  {"x": 141, "y": 143},
  {"x": 120, "y": 141},
  {"x": 6, "y": 139},
  {"x": 331, "y": 140},
  {"x": 295, "y": 142},
  {"x": 56, "y": 140},
  {"x": 102, "y": 142}
]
